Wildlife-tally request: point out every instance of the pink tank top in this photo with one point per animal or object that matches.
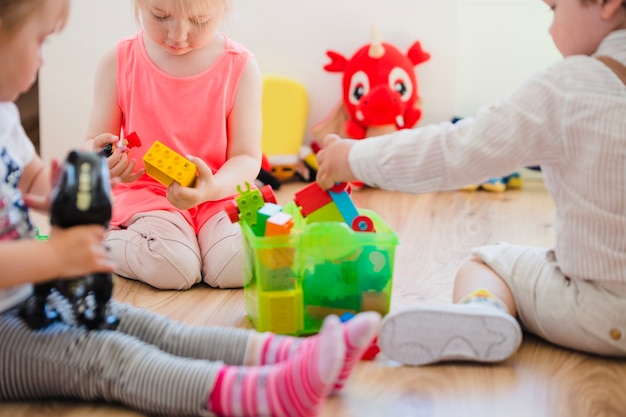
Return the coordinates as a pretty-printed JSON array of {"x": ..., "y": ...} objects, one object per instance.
[{"x": 186, "y": 114}]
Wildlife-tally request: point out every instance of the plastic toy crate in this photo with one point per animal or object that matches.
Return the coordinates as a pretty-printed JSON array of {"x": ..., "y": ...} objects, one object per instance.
[{"x": 293, "y": 281}]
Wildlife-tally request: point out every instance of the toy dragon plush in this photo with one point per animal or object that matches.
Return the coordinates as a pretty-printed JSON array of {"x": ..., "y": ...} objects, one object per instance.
[{"x": 380, "y": 90}]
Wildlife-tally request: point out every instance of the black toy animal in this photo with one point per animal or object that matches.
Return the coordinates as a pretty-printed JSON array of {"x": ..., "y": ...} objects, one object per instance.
[{"x": 81, "y": 195}]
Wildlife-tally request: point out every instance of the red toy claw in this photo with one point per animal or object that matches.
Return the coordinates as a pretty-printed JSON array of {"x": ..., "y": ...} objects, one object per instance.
[
  {"x": 133, "y": 140},
  {"x": 124, "y": 145}
]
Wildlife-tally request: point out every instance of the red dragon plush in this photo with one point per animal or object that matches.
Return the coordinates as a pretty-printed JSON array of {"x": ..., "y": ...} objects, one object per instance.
[{"x": 379, "y": 86}]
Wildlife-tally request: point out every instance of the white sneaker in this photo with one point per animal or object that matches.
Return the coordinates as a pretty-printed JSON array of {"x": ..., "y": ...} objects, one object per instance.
[{"x": 465, "y": 332}]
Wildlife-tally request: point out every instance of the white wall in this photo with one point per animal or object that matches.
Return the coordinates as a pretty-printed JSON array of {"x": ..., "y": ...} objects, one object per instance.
[{"x": 480, "y": 50}]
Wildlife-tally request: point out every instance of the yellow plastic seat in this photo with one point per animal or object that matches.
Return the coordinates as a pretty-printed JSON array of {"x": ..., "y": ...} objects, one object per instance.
[{"x": 285, "y": 113}]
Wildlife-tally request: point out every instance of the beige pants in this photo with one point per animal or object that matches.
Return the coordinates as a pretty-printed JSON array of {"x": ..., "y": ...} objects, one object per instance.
[
  {"x": 161, "y": 249},
  {"x": 585, "y": 315}
]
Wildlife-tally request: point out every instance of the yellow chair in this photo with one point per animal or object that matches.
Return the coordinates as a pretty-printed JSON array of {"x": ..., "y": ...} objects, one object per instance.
[{"x": 285, "y": 112}]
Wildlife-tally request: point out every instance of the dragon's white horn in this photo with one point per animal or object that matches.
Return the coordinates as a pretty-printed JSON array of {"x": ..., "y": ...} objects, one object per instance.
[{"x": 377, "y": 50}]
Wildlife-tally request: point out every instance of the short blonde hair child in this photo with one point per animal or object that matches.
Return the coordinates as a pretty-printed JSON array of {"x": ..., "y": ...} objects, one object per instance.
[{"x": 188, "y": 7}]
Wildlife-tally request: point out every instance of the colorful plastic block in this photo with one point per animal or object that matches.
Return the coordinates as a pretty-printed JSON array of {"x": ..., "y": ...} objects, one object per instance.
[
  {"x": 166, "y": 166},
  {"x": 248, "y": 202},
  {"x": 263, "y": 214},
  {"x": 280, "y": 311},
  {"x": 345, "y": 205},
  {"x": 327, "y": 213},
  {"x": 279, "y": 223},
  {"x": 280, "y": 279},
  {"x": 311, "y": 198},
  {"x": 335, "y": 204},
  {"x": 276, "y": 257}
]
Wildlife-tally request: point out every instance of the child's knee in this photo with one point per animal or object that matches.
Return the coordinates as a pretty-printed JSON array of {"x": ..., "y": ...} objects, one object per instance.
[
  {"x": 168, "y": 278},
  {"x": 223, "y": 268},
  {"x": 221, "y": 242},
  {"x": 166, "y": 268}
]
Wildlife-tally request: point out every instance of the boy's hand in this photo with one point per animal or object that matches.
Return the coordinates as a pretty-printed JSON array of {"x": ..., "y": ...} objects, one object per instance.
[
  {"x": 332, "y": 162},
  {"x": 184, "y": 198},
  {"x": 79, "y": 250}
]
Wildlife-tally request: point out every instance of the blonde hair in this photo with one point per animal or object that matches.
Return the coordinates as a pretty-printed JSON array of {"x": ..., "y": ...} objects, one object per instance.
[
  {"x": 15, "y": 13},
  {"x": 189, "y": 7}
]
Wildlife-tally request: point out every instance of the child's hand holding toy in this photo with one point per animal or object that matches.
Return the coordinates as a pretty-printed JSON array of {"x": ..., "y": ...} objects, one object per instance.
[
  {"x": 185, "y": 197},
  {"x": 116, "y": 152},
  {"x": 333, "y": 162}
]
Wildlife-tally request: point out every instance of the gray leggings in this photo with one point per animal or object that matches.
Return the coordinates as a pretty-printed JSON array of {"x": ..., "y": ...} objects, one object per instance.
[{"x": 150, "y": 363}]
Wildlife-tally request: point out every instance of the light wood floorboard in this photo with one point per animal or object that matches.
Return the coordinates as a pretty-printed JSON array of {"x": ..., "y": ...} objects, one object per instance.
[{"x": 436, "y": 233}]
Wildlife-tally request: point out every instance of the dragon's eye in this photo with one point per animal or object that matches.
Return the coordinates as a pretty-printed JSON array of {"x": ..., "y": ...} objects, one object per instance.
[
  {"x": 359, "y": 86},
  {"x": 400, "y": 81},
  {"x": 358, "y": 92},
  {"x": 400, "y": 87}
]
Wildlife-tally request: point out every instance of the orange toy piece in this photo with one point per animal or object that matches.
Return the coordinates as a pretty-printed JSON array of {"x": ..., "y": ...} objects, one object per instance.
[
  {"x": 165, "y": 165},
  {"x": 279, "y": 223}
]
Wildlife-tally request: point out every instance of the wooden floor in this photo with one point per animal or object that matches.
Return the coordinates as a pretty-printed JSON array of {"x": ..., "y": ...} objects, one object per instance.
[{"x": 436, "y": 232}]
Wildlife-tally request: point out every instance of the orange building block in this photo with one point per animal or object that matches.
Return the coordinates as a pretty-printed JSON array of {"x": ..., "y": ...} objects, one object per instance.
[
  {"x": 279, "y": 223},
  {"x": 165, "y": 165}
]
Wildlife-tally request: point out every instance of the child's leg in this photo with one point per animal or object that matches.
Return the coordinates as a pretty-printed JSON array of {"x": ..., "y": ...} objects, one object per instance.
[
  {"x": 585, "y": 315},
  {"x": 236, "y": 346},
  {"x": 221, "y": 247},
  {"x": 159, "y": 248},
  {"x": 478, "y": 327},
  {"x": 70, "y": 362},
  {"x": 292, "y": 388},
  {"x": 474, "y": 275},
  {"x": 66, "y": 362},
  {"x": 214, "y": 343},
  {"x": 358, "y": 334}
]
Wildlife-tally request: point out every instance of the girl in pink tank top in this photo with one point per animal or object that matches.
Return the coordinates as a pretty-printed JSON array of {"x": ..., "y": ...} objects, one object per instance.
[{"x": 180, "y": 82}]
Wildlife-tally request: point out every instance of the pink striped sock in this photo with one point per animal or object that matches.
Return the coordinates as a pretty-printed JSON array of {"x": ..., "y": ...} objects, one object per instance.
[
  {"x": 296, "y": 387},
  {"x": 358, "y": 334}
]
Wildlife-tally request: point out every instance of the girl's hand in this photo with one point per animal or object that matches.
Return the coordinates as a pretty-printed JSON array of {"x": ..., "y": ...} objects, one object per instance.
[
  {"x": 184, "y": 198},
  {"x": 79, "y": 250},
  {"x": 120, "y": 166},
  {"x": 332, "y": 162},
  {"x": 100, "y": 142}
]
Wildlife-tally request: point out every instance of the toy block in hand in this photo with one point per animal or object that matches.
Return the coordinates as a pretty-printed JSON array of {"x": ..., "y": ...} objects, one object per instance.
[{"x": 165, "y": 165}]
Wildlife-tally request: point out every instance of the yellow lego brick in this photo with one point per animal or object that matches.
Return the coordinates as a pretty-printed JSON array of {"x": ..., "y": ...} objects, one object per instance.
[
  {"x": 165, "y": 165},
  {"x": 281, "y": 311},
  {"x": 276, "y": 258}
]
